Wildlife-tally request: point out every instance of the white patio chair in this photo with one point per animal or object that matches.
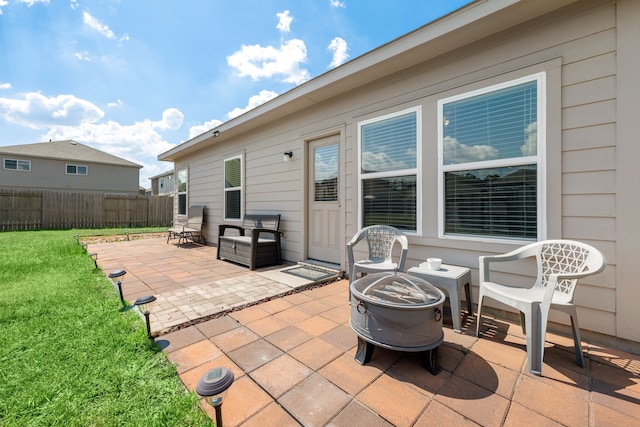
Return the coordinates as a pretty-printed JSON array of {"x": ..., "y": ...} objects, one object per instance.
[
  {"x": 380, "y": 240},
  {"x": 560, "y": 264}
]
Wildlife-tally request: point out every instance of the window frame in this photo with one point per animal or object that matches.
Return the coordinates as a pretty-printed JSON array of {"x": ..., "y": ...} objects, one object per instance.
[
  {"x": 185, "y": 192},
  {"x": 76, "y": 166},
  {"x": 416, "y": 171},
  {"x": 240, "y": 188},
  {"x": 18, "y": 162},
  {"x": 539, "y": 160}
]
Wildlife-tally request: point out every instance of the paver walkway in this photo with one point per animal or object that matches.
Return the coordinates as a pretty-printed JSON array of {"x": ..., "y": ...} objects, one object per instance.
[
  {"x": 188, "y": 282},
  {"x": 293, "y": 360}
]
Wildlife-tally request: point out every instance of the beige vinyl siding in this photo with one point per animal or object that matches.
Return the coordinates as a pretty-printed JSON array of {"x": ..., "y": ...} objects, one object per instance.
[
  {"x": 50, "y": 174},
  {"x": 577, "y": 46}
]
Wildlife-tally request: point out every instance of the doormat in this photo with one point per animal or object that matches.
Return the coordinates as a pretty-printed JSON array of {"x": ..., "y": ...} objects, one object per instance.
[{"x": 310, "y": 273}]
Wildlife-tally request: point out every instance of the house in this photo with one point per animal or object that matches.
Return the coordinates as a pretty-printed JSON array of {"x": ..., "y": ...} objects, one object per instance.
[
  {"x": 502, "y": 123},
  {"x": 162, "y": 184},
  {"x": 66, "y": 166}
]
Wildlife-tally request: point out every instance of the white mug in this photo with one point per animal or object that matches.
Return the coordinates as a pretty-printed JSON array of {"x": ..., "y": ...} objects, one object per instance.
[{"x": 434, "y": 263}]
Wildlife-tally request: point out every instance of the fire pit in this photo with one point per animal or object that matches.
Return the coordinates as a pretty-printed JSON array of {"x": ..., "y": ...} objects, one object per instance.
[{"x": 399, "y": 312}]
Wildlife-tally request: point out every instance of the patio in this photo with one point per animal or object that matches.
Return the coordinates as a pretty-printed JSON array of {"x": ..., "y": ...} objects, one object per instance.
[{"x": 293, "y": 356}]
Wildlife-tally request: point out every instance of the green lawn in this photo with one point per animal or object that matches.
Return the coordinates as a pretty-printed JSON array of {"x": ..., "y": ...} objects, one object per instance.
[{"x": 68, "y": 355}]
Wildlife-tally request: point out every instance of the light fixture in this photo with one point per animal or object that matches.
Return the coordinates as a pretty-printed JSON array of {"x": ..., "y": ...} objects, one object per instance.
[
  {"x": 116, "y": 275},
  {"x": 212, "y": 386},
  {"x": 216, "y": 133},
  {"x": 94, "y": 257},
  {"x": 287, "y": 156},
  {"x": 143, "y": 306}
]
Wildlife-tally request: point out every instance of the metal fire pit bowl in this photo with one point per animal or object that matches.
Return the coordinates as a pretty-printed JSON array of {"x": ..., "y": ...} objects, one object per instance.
[{"x": 399, "y": 312}]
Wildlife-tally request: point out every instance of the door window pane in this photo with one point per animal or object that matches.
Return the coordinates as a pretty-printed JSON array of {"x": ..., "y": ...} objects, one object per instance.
[{"x": 326, "y": 173}]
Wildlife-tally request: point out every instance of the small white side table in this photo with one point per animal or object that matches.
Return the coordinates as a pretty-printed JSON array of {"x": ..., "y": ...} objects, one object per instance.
[{"x": 450, "y": 279}]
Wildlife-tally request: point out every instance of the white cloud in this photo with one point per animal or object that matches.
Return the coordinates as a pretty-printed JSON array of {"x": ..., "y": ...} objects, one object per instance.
[
  {"x": 259, "y": 62},
  {"x": 74, "y": 4},
  {"x": 339, "y": 48},
  {"x": 38, "y": 111},
  {"x": 5, "y": 86},
  {"x": 32, "y": 2},
  {"x": 200, "y": 129},
  {"x": 94, "y": 24},
  {"x": 115, "y": 104},
  {"x": 468, "y": 153},
  {"x": 284, "y": 21},
  {"x": 83, "y": 56},
  {"x": 3, "y": 3},
  {"x": 337, "y": 3},
  {"x": 254, "y": 101},
  {"x": 132, "y": 142}
]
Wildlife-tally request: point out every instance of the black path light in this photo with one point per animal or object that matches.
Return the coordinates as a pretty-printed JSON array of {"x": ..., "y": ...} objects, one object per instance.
[
  {"x": 94, "y": 258},
  {"x": 212, "y": 386},
  {"x": 117, "y": 274},
  {"x": 143, "y": 305}
]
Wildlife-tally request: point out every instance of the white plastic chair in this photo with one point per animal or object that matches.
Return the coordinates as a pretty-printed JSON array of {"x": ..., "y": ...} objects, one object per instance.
[
  {"x": 560, "y": 264},
  {"x": 380, "y": 240}
]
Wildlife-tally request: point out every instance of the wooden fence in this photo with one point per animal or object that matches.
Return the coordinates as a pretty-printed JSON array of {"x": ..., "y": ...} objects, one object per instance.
[{"x": 58, "y": 210}]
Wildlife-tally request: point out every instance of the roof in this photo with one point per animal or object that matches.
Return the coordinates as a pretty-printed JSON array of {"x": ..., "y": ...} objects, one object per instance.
[
  {"x": 160, "y": 175},
  {"x": 477, "y": 20},
  {"x": 67, "y": 150}
]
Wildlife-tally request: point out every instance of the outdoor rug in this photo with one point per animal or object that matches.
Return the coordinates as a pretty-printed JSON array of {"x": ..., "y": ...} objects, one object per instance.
[{"x": 308, "y": 273}]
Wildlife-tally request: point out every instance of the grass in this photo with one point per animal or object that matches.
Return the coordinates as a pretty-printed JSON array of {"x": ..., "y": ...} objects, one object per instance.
[{"x": 68, "y": 355}]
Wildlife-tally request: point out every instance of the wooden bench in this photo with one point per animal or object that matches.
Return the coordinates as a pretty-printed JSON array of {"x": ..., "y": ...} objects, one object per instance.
[{"x": 255, "y": 244}]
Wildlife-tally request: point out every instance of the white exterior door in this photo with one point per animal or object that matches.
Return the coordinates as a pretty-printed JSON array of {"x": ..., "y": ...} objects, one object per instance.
[{"x": 324, "y": 200}]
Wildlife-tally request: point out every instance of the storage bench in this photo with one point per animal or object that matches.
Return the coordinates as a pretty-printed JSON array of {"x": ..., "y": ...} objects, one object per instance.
[{"x": 255, "y": 244}]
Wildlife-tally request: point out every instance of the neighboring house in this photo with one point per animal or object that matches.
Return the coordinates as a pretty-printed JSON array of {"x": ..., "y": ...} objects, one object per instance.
[
  {"x": 502, "y": 123},
  {"x": 162, "y": 184},
  {"x": 66, "y": 166}
]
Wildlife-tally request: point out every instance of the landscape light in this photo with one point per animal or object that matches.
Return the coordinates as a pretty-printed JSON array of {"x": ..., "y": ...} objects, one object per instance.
[
  {"x": 212, "y": 386},
  {"x": 143, "y": 305},
  {"x": 116, "y": 275}
]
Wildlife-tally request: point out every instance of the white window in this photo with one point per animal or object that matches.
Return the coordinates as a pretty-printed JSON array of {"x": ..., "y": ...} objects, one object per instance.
[
  {"x": 389, "y": 170},
  {"x": 233, "y": 188},
  {"x": 490, "y": 145},
  {"x": 76, "y": 170},
  {"x": 182, "y": 192},
  {"x": 17, "y": 165}
]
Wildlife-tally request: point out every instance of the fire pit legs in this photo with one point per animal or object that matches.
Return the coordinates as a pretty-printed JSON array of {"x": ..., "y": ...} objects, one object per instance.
[
  {"x": 429, "y": 360},
  {"x": 364, "y": 351}
]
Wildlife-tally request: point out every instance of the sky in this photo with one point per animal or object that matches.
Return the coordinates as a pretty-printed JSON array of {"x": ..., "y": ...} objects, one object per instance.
[{"x": 135, "y": 78}]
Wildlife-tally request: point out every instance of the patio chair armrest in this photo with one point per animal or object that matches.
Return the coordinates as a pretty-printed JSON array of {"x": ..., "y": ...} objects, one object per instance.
[
  {"x": 485, "y": 260},
  {"x": 223, "y": 227},
  {"x": 255, "y": 233}
]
